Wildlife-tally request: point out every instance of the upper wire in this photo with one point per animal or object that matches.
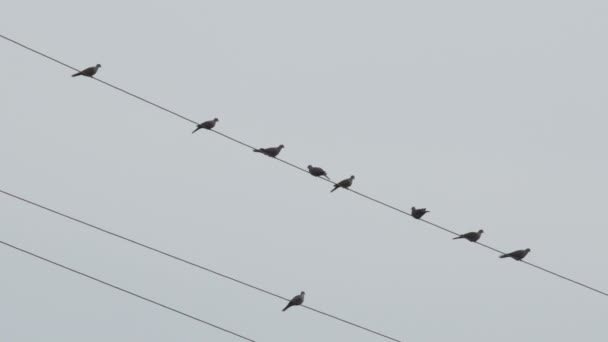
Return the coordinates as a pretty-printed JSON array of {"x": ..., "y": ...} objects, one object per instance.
[{"x": 300, "y": 168}]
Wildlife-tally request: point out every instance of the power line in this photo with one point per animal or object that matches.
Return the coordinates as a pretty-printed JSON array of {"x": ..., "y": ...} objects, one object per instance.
[
  {"x": 190, "y": 263},
  {"x": 304, "y": 170},
  {"x": 126, "y": 291}
]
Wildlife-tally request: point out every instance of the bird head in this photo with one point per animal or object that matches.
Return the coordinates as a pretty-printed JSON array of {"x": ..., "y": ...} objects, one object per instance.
[
  {"x": 281, "y": 146},
  {"x": 352, "y": 177},
  {"x": 302, "y": 293},
  {"x": 309, "y": 167},
  {"x": 528, "y": 250},
  {"x": 98, "y": 65},
  {"x": 216, "y": 120},
  {"x": 413, "y": 208},
  {"x": 480, "y": 231}
]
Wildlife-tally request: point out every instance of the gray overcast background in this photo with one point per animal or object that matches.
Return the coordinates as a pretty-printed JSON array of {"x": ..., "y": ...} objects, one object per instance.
[{"x": 491, "y": 114}]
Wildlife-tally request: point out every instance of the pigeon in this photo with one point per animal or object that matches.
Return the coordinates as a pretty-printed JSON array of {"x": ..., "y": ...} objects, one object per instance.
[
  {"x": 88, "y": 71},
  {"x": 472, "y": 236},
  {"x": 517, "y": 255},
  {"x": 418, "y": 213},
  {"x": 345, "y": 183},
  {"x": 317, "y": 171},
  {"x": 297, "y": 300},
  {"x": 271, "y": 151},
  {"x": 206, "y": 125}
]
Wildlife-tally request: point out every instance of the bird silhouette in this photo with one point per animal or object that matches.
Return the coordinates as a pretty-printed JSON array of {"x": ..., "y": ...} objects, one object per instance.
[
  {"x": 88, "y": 71},
  {"x": 317, "y": 171},
  {"x": 418, "y": 213},
  {"x": 206, "y": 125},
  {"x": 297, "y": 300},
  {"x": 345, "y": 183},
  {"x": 517, "y": 255},
  {"x": 472, "y": 236},
  {"x": 271, "y": 151}
]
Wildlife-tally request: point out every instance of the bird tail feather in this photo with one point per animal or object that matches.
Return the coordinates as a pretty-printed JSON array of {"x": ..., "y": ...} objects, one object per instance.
[
  {"x": 287, "y": 307},
  {"x": 76, "y": 74},
  {"x": 197, "y": 128},
  {"x": 458, "y": 237},
  {"x": 504, "y": 256}
]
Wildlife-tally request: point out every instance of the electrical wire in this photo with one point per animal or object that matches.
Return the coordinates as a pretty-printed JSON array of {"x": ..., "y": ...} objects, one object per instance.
[
  {"x": 304, "y": 170},
  {"x": 172, "y": 256},
  {"x": 126, "y": 291}
]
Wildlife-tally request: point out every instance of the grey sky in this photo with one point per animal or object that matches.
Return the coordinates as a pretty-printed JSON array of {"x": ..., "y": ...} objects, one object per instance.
[{"x": 492, "y": 115}]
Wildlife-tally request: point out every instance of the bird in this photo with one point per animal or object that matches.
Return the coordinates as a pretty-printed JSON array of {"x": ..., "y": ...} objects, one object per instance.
[
  {"x": 297, "y": 300},
  {"x": 206, "y": 125},
  {"x": 345, "y": 183},
  {"x": 317, "y": 171},
  {"x": 88, "y": 71},
  {"x": 418, "y": 213},
  {"x": 472, "y": 236},
  {"x": 517, "y": 255},
  {"x": 271, "y": 151}
]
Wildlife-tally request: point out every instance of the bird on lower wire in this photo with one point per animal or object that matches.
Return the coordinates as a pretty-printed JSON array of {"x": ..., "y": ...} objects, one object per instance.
[
  {"x": 345, "y": 183},
  {"x": 206, "y": 125},
  {"x": 517, "y": 255},
  {"x": 472, "y": 236},
  {"x": 418, "y": 213},
  {"x": 88, "y": 71},
  {"x": 295, "y": 301},
  {"x": 317, "y": 171},
  {"x": 270, "y": 151}
]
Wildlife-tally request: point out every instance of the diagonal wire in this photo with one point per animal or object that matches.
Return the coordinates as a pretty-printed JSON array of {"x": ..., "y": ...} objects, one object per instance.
[
  {"x": 97, "y": 79},
  {"x": 125, "y": 291},
  {"x": 172, "y": 256},
  {"x": 304, "y": 170}
]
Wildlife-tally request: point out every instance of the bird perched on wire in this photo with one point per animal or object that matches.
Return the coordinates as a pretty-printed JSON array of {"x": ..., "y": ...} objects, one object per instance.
[
  {"x": 418, "y": 213},
  {"x": 206, "y": 125},
  {"x": 295, "y": 301},
  {"x": 88, "y": 71},
  {"x": 271, "y": 151},
  {"x": 345, "y": 183},
  {"x": 472, "y": 236},
  {"x": 517, "y": 255},
  {"x": 317, "y": 171}
]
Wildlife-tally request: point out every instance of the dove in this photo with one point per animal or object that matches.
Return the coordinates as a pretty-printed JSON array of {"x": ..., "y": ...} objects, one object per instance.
[
  {"x": 517, "y": 255},
  {"x": 317, "y": 171},
  {"x": 206, "y": 125},
  {"x": 418, "y": 213},
  {"x": 271, "y": 151},
  {"x": 297, "y": 300},
  {"x": 88, "y": 71},
  {"x": 345, "y": 183},
  {"x": 472, "y": 236}
]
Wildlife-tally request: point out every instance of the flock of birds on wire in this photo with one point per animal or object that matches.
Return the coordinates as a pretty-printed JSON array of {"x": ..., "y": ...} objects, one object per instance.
[{"x": 316, "y": 171}]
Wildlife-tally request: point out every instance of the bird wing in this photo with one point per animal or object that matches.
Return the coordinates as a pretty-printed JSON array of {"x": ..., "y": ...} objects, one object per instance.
[
  {"x": 89, "y": 71},
  {"x": 297, "y": 300},
  {"x": 519, "y": 254},
  {"x": 471, "y": 235},
  {"x": 317, "y": 171}
]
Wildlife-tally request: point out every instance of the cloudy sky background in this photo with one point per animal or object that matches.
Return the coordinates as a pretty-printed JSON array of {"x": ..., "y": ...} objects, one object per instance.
[{"x": 492, "y": 115}]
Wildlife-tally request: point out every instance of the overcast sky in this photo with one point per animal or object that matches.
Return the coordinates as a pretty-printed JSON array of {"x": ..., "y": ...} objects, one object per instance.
[{"x": 491, "y": 114}]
